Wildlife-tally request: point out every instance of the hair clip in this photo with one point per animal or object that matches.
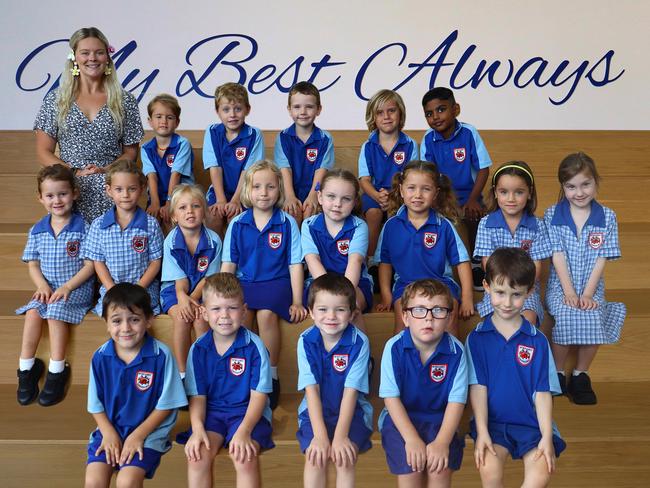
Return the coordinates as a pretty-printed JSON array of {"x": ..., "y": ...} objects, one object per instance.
[{"x": 71, "y": 55}]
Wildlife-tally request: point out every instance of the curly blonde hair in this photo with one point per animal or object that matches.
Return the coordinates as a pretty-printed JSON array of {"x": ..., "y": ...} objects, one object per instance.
[{"x": 69, "y": 85}]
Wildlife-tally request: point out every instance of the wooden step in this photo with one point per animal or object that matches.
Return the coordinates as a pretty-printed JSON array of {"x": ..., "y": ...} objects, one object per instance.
[{"x": 38, "y": 443}]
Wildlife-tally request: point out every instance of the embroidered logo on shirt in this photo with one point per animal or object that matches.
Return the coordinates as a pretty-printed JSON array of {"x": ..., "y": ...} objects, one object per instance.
[
  {"x": 525, "y": 354},
  {"x": 237, "y": 366},
  {"x": 139, "y": 243},
  {"x": 72, "y": 248},
  {"x": 312, "y": 154},
  {"x": 170, "y": 160},
  {"x": 275, "y": 239},
  {"x": 143, "y": 380},
  {"x": 438, "y": 372},
  {"x": 343, "y": 246},
  {"x": 399, "y": 157},
  {"x": 430, "y": 239},
  {"x": 526, "y": 244},
  {"x": 596, "y": 240},
  {"x": 240, "y": 153},
  {"x": 202, "y": 263},
  {"x": 340, "y": 362},
  {"x": 459, "y": 154}
]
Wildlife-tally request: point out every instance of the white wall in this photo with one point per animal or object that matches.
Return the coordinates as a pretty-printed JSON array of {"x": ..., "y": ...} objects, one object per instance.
[{"x": 601, "y": 42}]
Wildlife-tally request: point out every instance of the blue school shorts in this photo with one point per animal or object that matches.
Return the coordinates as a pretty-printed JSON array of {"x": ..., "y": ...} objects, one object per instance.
[
  {"x": 518, "y": 439},
  {"x": 149, "y": 463},
  {"x": 367, "y": 203},
  {"x": 359, "y": 433},
  {"x": 394, "y": 445}
]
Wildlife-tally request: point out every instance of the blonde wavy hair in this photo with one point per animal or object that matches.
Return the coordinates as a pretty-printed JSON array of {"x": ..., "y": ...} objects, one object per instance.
[
  {"x": 69, "y": 85},
  {"x": 247, "y": 187}
]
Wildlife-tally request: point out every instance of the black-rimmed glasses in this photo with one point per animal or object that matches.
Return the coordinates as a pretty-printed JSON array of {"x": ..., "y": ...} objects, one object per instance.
[{"x": 422, "y": 312}]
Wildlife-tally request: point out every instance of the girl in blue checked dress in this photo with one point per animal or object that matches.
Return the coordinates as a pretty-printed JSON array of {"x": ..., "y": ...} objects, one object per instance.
[
  {"x": 262, "y": 246},
  {"x": 583, "y": 235},
  {"x": 336, "y": 241},
  {"x": 64, "y": 285},
  {"x": 511, "y": 222},
  {"x": 191, "y": 253}
]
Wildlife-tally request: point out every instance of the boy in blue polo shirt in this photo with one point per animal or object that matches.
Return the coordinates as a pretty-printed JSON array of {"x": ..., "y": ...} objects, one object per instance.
[
  {"x": 229, "y": 148},
  {"x": 459, "y": 152},
  {"x": 512, "y": 377},
  {"x": 424, "y": 386},
  {"x": 227, "y": 382},
  {"x": 134, "y": 391},
  {"x": 334, "y": 418},
  {"x": 167, "y": 158},
  {"x": 303, "y": 152}
]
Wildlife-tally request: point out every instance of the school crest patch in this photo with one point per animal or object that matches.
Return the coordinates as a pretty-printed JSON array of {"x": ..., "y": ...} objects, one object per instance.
[
  {"x": 170, "y": 160},
  {"x": 399, "y": 157},
  {"x": 430, "y": 239},
  {"x": 340, "y": 362},
  {"x": 526, "y": 244},
  {"x": 438, "y": 372},
  {"x": 72, "y": 248},
  {"x": 202, "y": 263},
  {"x": 459, "y": 154},
  {"x": 240, "y": 153},
  {"x": 143, "y": 380},
  {"x": 139, "y": 243},
  {"x": 275, "y": 239},
  {"x": 596, "y": 240},
  {"x": 237, "y": 366},
  {"x": 343, "y": 246},
  {"x": 525, "y": 354},
  {"x": 312, "y": 154}
]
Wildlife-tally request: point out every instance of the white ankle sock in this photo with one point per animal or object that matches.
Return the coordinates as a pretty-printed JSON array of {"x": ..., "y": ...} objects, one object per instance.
[
  {"x": 562, "y": 373},
  {"x": 577, "y": 372},
  {"x": 182, "y": 373},
  {"x": 56, "y": 366},
  {"x": 26, "y": 364},
  {"x": 274, "y": 372}
]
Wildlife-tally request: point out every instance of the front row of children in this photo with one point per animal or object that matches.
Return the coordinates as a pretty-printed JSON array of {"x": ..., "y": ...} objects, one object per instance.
[{"x": 134, "y": 388}]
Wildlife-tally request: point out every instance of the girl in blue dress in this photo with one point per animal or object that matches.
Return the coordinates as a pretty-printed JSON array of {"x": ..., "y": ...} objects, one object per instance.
[
  {"x": 262, "y": 246},
  {"x": 584, "y": 236},
  {"x": 511, "y": 222}
]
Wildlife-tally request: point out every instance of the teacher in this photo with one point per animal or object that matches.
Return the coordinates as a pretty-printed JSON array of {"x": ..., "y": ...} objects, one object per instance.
[{"x": 92, "y": 119}]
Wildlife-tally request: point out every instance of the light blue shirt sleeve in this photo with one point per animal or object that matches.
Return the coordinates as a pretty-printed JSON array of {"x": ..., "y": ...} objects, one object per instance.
[
  {"x": 295, "y": 256},
  {"x": 357, "y": 377},
  {"x": 265, "y": 383},
  {"x": 183, "y": 161},
  {"x": 93, "y": 249},
  {"x": 94, "y": 405},
  {"x": 147, "y": 165},
  {"x": 225, "y": 255},
  {"x": 328, "y": 158},
  {"x": 171, "y": 271},
  {"x": 380, "y": 245},
  {"x": 280, "y": 158},
  {"x": 553, "y": 381},
  {"x": 471, "y": 370},
  {"x": 173, "y": 394},
  {"x": 363, "y": 163},
  {"x": 458, "y": 391},
  {"x": 215, "y": 264},
  {"x": 388, "y": 384},
  {"x": 541, "y": 248},
  {"x": 305, "y": 376},
  {"x": 257, "y": 151},
  {"x": 190, "y": 378},
  {"x": 209, "y": 156},
  {"x": 484, "y": 160},
  {"x": 306, "y": 239},
  {"x": 460, "y": 246},
  {"x": 423, "y": 146},
  {"x": 31, "y": 248},
  {"x": 483, "y": 244},
  {"x": 359, "y": 241},
  {"x": 414, "y": 153}
]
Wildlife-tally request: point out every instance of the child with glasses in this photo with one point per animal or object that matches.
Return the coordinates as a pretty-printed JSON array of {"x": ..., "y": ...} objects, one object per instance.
[{"x": 424, "y": 387}]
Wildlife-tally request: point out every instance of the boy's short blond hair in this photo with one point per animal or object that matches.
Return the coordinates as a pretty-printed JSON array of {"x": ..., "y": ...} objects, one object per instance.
[
  {"x": 193, "y": 191},
  {"x": 224, "y": 284},
  {"x": 379, "y": 99},
  {"x": 428, "y": 288},
  {"x": 232, "y": 92},
  {"x": 168, "y": 101},
  {"x": 245, "y": 195},
  {"x": 125, "y": 166}
]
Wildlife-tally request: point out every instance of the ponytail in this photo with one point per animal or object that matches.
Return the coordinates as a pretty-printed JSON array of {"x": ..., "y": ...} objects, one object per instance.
[{"x": 395, "y": 197}]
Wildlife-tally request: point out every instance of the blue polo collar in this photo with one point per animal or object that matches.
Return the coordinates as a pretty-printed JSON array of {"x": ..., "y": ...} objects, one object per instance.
[
  {"x": 248, "y": 219},
  {"x": 173, "y": 143},
  {"x": 204, "y": 241},
  {"x": 488, "y": 326},
  {"x": 562, "y": 215},
  {"x": 321, "y": 227},
  {"x": 497, "y": 220},
  {"x": 75, "y": 224},
  {"x": 437, "y": 135},
  {"x": 316, "y": 134},
  {"x": 347, "y": 338},
  {"x": 374, "y": 138},
  {"x": 433, "y": 219},
  {"x": 147, "y": 350},
  {"x": 139, "y": 220},
  {"x": 242, "y": 339}
]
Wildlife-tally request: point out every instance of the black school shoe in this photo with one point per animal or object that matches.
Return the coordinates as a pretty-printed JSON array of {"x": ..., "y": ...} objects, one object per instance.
[
  {"x": 54, "y": 388},
  {"x": 274, "y": 396},
  {"x": 580, "y": 390},
  {"x": 561, "y": 378},
  {"x": 28, "y": 383}
]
